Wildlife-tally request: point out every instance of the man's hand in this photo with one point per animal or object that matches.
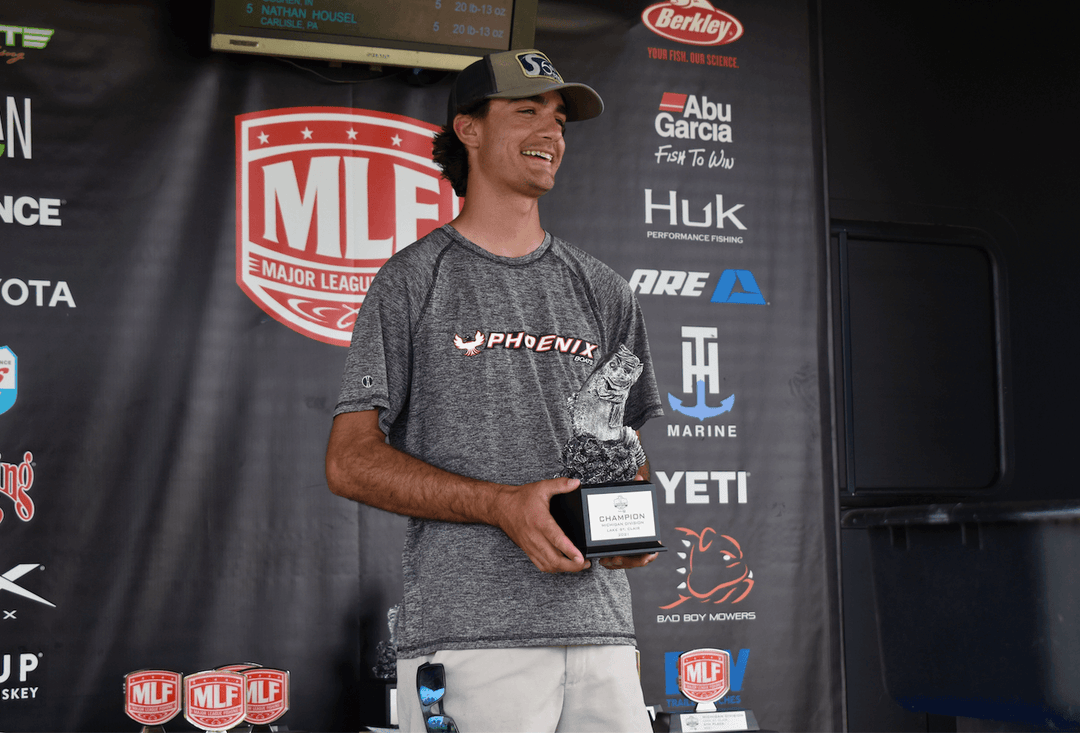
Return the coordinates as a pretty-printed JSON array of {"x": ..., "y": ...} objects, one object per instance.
[
  {"x": 524, "y": 514},
  {"x": 625, "y": 562}
]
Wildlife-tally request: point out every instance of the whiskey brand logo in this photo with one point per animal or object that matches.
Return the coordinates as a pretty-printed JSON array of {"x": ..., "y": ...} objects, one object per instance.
[
  {"x": 15, "y": 480},
  {"x": 9, "y": 378},
  {"x": 535, "y": 65},
  {"x": 704, "y": 674},
  {"x": 324, "y": 197},
  {"x": 214, "y": 700},
  {"x": 695, "y": 22},
  {"x": 7, "y": 582},
  {"x": 714, "y": 572},
  {"x": 579, "y": 348},
  {"x": 27, "y": 662},
  {"x": 152, "y": 696},
  {"x": 267, "y": 695}
]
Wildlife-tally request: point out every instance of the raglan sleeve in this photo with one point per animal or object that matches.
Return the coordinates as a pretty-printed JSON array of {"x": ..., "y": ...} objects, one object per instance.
[{"x": 379, "y": 363}]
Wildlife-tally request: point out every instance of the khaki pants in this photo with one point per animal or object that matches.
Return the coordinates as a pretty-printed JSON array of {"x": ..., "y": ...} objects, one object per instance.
[{"x": 565, "y": 689}]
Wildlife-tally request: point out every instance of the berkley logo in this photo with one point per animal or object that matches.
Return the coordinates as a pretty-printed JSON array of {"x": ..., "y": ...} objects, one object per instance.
[
  {"x": 324, "y": 197},
  {"x": 704, "y": 674},
  {"x": 267, "y": 694},
  {"x": 214, "y": 700},
  {"x": 695, "y": 22},
  {"x": 152, "y": 696}
]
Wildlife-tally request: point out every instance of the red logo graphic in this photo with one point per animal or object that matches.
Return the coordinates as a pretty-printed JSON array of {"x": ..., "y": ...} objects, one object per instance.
[
  {"x": 704, "y": 674},
  {"x": 15, "y": 480},
  {"x": 716, "y": 568},
  {"x": 695, "y": 22},
  {"x": 324, "y": 197},
  {"x": 214, "y": 700},
  {"x": 152, "y": 696},
  {"x": 672, "y": 102},
  {"x": 267, "y": 695}
]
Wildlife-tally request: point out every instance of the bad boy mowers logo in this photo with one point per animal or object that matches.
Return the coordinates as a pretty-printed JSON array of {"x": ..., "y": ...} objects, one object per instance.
[{"x": 324, "y": 196}]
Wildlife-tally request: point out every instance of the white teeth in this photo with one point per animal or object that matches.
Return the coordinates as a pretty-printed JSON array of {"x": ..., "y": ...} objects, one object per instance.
[{"x": 537, "y": 154}]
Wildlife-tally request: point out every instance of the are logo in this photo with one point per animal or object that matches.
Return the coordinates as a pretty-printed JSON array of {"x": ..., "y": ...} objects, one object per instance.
[
  {"x": 733, "y": 286},
  {"x": 695, "y": 22},
  {"x": 152, "y": 696},
  {"x": 214, "y": 700},
  {"x": 715, "y": 571},
  {"x": 267, "y": 695},
  {"x": 9, "y": 378},
  {"x": 324, "y": 197}
]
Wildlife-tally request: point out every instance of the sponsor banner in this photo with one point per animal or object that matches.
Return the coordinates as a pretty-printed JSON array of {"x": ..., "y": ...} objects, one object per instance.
[
  {"x": 9, "y": 378},
  {"x": 19, "y": 677},
  {"x": 694, "y": 22},
  {"x": 324, "y": 197}
]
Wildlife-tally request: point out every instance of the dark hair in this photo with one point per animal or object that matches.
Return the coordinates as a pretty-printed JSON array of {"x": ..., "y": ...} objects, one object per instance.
[{"x": 449, "y": 152}]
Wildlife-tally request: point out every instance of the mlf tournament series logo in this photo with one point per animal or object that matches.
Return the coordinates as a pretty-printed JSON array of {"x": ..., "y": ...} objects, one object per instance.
[{"x": 324, "y": 197}]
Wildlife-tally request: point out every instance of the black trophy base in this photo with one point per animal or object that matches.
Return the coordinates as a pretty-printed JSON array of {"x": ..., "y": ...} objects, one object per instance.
[{"x": 603, "y": 520}]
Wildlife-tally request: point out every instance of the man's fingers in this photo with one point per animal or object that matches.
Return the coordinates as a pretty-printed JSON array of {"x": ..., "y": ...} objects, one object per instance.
[{"x": 625, "y": 562}]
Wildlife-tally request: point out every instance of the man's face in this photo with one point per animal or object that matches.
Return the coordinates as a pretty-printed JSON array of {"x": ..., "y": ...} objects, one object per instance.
[{"x": 521, "y": 142}]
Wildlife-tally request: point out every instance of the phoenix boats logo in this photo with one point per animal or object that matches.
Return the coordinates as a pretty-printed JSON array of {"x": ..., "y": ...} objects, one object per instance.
[
  {"x": 324, "y": 197},
  {"x": 695, "y": 22}
]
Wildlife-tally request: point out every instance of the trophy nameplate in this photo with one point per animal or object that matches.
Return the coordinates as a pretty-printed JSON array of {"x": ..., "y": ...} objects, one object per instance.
[{"x": 617, "y": 518}]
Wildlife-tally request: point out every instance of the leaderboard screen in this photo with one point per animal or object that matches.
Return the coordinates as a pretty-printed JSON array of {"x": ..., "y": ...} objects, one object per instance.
[{"x": 327, "y": 28}]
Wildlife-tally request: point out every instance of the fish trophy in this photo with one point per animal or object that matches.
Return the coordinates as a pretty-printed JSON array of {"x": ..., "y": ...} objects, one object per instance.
[{"x": 610, "y": 513}]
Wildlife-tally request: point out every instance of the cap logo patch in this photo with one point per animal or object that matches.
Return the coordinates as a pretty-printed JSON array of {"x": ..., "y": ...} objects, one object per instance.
[{"x": 535, "y": 65}]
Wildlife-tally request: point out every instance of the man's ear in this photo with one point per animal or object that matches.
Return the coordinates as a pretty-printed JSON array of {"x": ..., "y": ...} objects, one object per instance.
[{"x": 467, "y": 129}]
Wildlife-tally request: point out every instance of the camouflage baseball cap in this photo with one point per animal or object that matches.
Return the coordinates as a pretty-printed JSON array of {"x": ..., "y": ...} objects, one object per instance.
[{"x": 516, "y": 74}]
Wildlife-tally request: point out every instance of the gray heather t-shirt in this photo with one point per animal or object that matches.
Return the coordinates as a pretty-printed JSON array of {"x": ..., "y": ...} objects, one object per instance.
[{"x": 470, "y": 358}]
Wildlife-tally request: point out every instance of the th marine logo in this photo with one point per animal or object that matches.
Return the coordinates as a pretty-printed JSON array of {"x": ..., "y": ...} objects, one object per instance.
[
  {"x": 694, "y": 22},
  {"x": 324, "y": 197}
]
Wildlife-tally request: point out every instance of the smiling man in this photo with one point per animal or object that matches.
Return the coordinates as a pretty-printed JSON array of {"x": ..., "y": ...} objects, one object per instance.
[{"x": 453, "y": 412}]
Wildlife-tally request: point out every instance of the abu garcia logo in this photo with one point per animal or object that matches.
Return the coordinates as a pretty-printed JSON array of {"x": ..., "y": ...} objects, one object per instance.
[{"x": 695, "y": 22}]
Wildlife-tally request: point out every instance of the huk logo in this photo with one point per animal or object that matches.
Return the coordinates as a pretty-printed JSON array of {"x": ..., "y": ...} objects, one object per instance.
[
  {"x": 9, "y": 378},
  {"x": 15, "y": 480},
  {"x": 536, "y": 65},
  {"x": 215, "y": 700},
  {"x": 152, "y": 696},
  {"x": 7, "y": 583},
  {"x": 15, "y": 132},
  {"x": 657, "y": 205},
  {"x": 701, "y": 370},
  {"x": 325, "y": 196},
  {"x": 714, "y": 572},
  {"x": 695, "y": 22}
]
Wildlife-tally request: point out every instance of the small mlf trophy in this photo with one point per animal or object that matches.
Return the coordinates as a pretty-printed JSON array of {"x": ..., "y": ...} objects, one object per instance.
[
  {"x": 152, "y": 697},
  {"x": 705, "y": 677}
]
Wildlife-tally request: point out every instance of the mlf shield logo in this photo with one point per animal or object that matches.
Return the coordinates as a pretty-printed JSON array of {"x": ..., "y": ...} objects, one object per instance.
[
  {"x": 214, "y": 700},
  {"x": 267, "y": 694},
  {"x": 9, "y": 378},
  {"x": 152, "y": 696},
  {"x": 324, "y": 196},
  {"x": 704, "y": 674},
  {"x": 695, "y": 22}
]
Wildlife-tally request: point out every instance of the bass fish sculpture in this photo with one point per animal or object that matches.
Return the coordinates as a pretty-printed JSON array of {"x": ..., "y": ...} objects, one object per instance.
[{"x": 601, "y": 449}]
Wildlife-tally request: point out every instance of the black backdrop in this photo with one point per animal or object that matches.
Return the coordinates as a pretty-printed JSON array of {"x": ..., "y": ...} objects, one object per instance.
[{"x": 180, "y": 514}]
